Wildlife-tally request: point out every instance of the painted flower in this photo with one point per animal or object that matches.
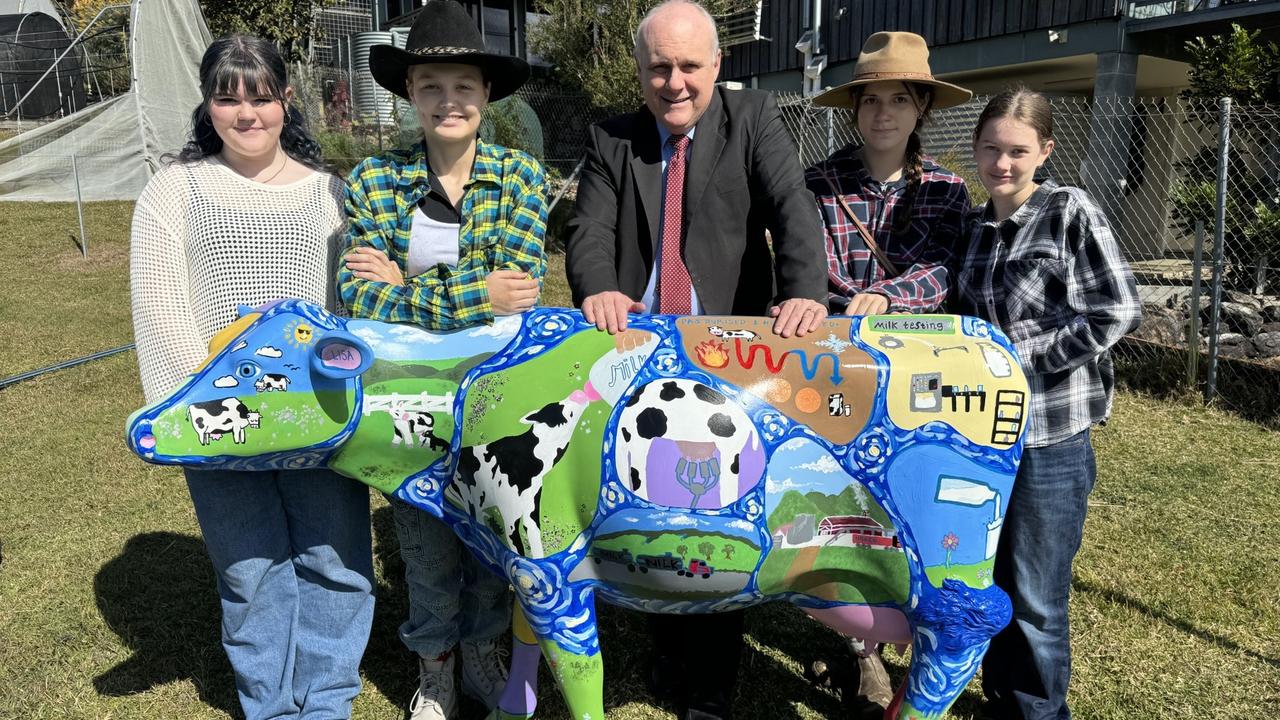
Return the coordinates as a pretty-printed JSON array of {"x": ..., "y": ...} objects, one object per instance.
[{"x": 949, "y": 543}]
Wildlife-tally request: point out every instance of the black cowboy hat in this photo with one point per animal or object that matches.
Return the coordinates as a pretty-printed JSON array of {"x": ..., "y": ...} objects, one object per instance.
[{"x": 443, "y": 32}]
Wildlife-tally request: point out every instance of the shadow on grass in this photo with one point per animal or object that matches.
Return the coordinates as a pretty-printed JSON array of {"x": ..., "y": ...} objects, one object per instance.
[
  {"x": 387, "y": 664},
  {"x": 1119, "y": 598},
  {"x": 159, "y": 595}
]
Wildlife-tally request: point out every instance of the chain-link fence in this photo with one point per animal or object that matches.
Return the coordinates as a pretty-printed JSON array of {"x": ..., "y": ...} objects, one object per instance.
[
  {"x": 1211, "y": 312},
  {"x": 541, "y": 118}
]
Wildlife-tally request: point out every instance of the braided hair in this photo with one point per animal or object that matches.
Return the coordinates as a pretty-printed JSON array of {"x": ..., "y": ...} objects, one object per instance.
[
  {"x": 914, "y": 168},
  {"x": 254, "y": 62}
]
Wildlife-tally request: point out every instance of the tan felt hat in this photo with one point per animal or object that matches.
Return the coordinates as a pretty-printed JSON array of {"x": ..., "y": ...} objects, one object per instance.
[{"x": 901, "y": 56}]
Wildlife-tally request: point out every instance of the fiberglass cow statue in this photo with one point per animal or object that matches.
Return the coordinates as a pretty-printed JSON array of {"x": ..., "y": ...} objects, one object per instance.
[{"x": 688, "y": 465}]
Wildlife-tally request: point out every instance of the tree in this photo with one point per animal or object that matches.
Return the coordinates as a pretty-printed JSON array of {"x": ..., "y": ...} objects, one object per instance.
[
  {"x": 1240, "y": 66},
  {"x": 1235, "y": 65},
  {"x": 682, "y": 551},
  {"x": 290, "y": 24},
  {"x": 590, "y": 43},
  {"x": 728, "y": 551},
  {"x": 707, "y": 549}
]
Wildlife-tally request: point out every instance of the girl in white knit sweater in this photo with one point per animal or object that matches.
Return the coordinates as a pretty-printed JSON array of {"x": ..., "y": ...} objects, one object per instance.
[{"x": 246, "y": 214}]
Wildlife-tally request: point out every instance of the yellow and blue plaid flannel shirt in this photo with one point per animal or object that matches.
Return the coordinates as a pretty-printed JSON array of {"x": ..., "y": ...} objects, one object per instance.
[{"x": 504, "y": 217}]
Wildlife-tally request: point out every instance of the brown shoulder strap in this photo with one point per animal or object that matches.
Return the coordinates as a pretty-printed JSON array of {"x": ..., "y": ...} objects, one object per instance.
[{"x": 870, "y": 242}]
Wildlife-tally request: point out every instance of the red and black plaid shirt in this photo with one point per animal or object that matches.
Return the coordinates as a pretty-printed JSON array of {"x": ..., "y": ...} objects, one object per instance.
[{"x": 920, "y": 252}]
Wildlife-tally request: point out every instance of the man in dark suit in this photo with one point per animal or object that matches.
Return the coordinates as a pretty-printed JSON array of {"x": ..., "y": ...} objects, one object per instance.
[
  {"x": 740, "y": 175},
  {"x": 671, "y": 217}
]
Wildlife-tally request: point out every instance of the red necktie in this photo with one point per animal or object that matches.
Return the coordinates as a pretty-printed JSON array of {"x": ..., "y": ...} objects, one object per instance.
[{"x": 675, "y": 290}]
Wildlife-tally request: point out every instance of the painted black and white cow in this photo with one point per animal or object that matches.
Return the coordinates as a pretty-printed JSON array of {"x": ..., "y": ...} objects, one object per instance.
[
  {"x": 684, "y": 411},
  {"x": 506, "y": 475},
  {"x": 272, "y": 381},
  {"x": 216, "y": 418},
  {"x": 730, "y": 334},
  {"x": 416, "y": 429}
]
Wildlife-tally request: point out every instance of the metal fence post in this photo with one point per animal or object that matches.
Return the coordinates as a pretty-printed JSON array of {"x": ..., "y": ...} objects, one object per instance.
[
  {"x": 1193, "y": 307},
  {"x": 75, "y": 176},
  {"x": 1219, "y": 236},
  {"x": 831, "y": 132}
]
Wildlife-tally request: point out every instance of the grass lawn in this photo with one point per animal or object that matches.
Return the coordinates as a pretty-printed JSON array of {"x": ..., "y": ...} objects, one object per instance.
[{"x": 107, "y": 600}]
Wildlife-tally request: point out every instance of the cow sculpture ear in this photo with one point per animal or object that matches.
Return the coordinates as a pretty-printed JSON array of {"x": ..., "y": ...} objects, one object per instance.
[{"x": 341, "y": 355}]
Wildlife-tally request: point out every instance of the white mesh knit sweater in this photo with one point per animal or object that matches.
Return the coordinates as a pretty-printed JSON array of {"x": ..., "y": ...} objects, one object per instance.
[{"x": 206, "y": 240}]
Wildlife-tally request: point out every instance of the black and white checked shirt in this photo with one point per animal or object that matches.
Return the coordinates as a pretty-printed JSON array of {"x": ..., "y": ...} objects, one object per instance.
[{"x": 1052, "y": 277}]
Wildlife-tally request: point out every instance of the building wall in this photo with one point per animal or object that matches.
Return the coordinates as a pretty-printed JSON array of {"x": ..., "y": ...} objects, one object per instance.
[{"x": 847, "y": 23}]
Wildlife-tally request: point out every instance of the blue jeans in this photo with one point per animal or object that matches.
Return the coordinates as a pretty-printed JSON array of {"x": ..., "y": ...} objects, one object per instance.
[
  {"x": 1026, "y": 671},
  {"x": 291, "y": 550},
  {"x": 452, "y": 596}
]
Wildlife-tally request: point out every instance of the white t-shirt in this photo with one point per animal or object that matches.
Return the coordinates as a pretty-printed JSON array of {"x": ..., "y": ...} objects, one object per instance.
[{"x": 431, "y": 242}]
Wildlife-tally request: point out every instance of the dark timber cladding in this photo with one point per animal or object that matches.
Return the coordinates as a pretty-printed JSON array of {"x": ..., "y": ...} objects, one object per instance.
[{"x": 941, "y": 22}]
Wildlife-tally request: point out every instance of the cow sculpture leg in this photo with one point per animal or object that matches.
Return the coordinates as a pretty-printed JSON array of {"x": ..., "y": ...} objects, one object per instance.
[
  {"x": 520, "y": 697},
  {"x": 951, "y": 629},
  {"x": 579, "y": 671}
]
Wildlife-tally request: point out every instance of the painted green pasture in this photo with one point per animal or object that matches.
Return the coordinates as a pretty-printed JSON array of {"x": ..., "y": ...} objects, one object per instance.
[
  {"x": 742, "y": 556},
  {"x": 861, "y": 571},
  {"x": 369, "y": 454},
  {"x": 288, "y": 420}
]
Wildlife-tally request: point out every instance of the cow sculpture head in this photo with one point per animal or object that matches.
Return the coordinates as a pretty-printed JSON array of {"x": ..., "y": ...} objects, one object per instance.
[{"x": 280, "y": 389}]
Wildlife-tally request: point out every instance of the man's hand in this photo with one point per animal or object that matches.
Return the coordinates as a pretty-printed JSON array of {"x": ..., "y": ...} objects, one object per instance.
[
  {"x": 511, "y": 292},
  {"x": 608, "y": 310},
  {"x": 797, "y": 316},
  {"x": 369, "y": 263},
  {"x": 867, "y": 304}
]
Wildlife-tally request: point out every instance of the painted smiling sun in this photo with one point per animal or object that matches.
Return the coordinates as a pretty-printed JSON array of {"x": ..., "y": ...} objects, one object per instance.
[{"x": 298, "y": 334}]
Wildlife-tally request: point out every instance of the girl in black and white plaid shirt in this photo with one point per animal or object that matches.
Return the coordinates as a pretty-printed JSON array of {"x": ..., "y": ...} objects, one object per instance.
[{"x": 1043, "y": 265}]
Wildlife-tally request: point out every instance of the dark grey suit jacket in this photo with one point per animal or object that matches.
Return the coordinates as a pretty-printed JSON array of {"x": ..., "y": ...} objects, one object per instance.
[{"x": 743, "y": 175}]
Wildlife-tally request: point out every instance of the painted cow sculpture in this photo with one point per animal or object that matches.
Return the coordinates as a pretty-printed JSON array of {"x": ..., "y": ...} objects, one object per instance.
[{"x": 688, "y": 465}]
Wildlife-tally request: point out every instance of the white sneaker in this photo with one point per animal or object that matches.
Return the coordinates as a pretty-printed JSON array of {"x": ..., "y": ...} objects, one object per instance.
[
  {"x": 435, "y": 698},
  {"x": 484, "y": 671}
]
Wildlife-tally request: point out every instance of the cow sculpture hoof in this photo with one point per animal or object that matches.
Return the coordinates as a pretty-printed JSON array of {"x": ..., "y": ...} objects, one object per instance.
[{"x": 689, "y": 465}]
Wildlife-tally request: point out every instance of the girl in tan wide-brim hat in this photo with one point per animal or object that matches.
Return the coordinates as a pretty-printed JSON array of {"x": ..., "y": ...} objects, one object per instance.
[
  {"x": 896, "y": 56},
  {"x": 891, "y": 214}
]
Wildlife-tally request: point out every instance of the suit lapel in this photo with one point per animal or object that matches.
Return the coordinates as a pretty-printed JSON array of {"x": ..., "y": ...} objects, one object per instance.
[
  {"x": 646, "y": 165},
  {"x": 705, "y": 151}
]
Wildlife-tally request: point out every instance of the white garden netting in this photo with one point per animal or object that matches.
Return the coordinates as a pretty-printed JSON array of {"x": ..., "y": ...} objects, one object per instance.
[
  {"x": 22, "y": 7},
  {"x": 113, "y": 147}
]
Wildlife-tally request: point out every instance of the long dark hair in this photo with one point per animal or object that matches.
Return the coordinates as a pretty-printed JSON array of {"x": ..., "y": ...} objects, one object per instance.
[
  {"x": 914, "y": 167},
  {"x": 237, "y": 59}
]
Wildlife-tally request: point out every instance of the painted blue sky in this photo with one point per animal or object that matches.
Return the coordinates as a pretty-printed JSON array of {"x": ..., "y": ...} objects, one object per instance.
[
  {"x": 804, "y": 466},
  {"x": 409, "y": 343},
  {"x": 919, "y": 473},
  {"x": 637, "y": 520}
]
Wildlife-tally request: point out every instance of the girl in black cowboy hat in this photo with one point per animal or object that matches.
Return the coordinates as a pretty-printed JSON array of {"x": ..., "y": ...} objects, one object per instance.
[{"x": 446, "y": 233}]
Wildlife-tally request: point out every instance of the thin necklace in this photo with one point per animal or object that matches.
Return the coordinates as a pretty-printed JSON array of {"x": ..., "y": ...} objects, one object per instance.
[{"x": 277, "y": 172}]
